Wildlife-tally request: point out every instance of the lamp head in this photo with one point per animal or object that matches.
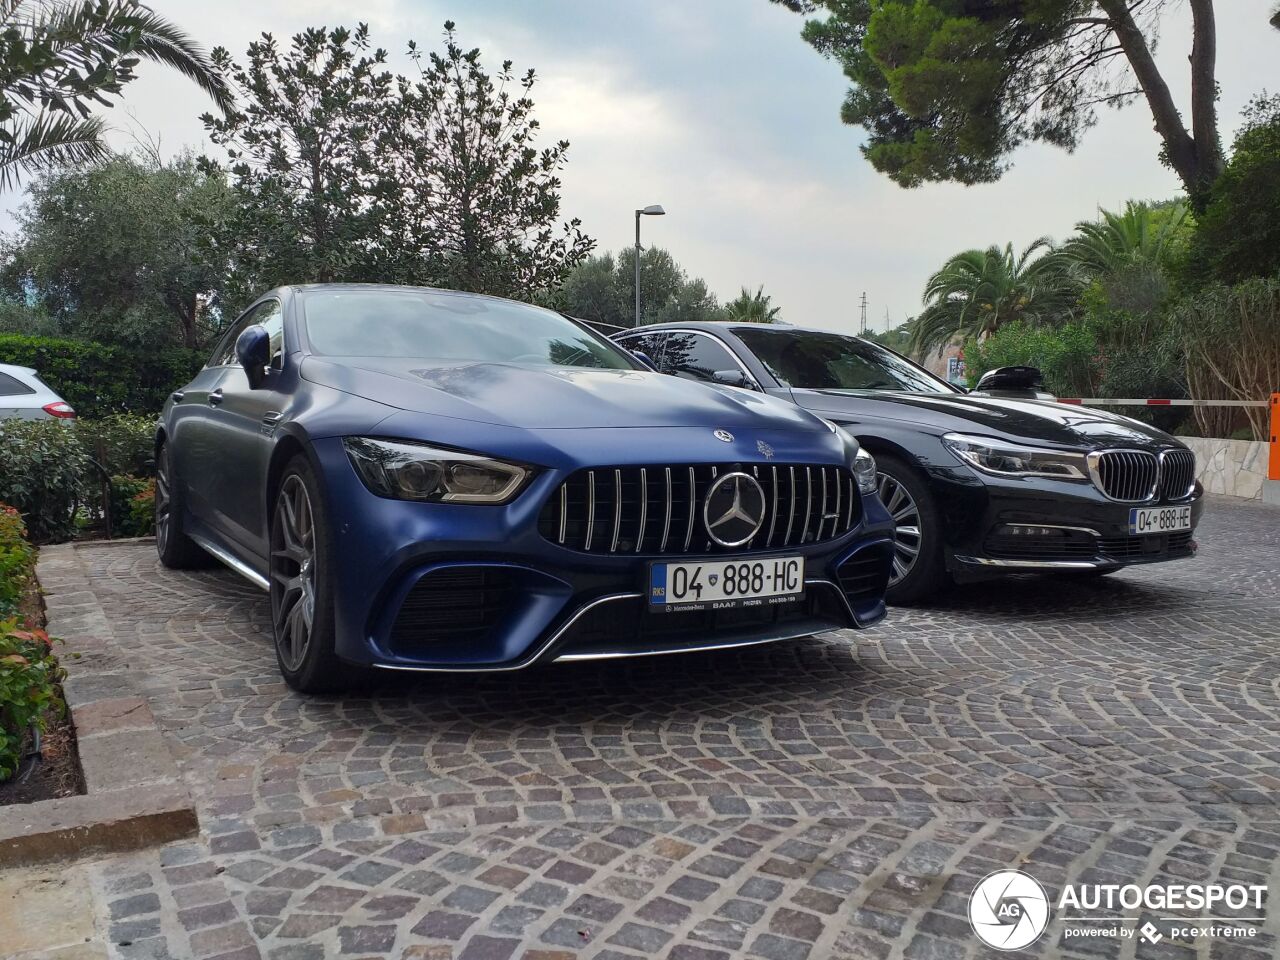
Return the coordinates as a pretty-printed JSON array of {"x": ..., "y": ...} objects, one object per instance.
[{"x": 652, "y": 210}]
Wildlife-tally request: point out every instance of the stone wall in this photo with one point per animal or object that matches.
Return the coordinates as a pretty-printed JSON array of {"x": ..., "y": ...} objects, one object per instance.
[{"x": 1234, "y": 467}]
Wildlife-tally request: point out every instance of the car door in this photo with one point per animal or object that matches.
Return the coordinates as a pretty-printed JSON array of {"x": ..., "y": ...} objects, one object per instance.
[
  {"x": 244, "y": 420},
  {"x": 193, "y": 435}
]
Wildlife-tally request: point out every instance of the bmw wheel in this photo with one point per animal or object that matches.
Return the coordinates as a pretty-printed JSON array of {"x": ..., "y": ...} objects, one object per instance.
[
  {"x": 918, "y": 566},
  {"x": 177, "y": 551},
  {"x": 301, "y": 591}
]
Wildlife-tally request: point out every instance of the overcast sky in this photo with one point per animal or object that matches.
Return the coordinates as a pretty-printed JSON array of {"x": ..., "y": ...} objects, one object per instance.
[{"x": 720, "y": 112}]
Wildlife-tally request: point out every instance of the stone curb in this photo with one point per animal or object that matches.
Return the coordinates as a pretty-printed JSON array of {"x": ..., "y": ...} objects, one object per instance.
[{"x": 135, "y": 796}]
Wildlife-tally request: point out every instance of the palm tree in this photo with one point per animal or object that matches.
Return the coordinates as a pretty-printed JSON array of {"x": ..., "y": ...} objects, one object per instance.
[
  {"x": 57, "y": 57},
  {"x": 748, "y": 307},
  {"x": 1143, "y": 235},
  {"x": 978, "y": 291}
]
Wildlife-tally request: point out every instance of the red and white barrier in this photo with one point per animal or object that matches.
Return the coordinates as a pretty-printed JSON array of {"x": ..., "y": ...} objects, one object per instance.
[{"x": 1134, "y": 402}]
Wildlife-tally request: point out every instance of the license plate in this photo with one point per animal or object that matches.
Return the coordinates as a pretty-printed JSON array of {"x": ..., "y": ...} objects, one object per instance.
[
  {"x": 721, "y": 584},
  {"x": 1159, "y": 519}
]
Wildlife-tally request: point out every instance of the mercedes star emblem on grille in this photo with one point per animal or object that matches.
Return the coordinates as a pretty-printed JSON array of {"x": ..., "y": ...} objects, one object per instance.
[
  {"x": 734, "y": 509},
  {"x": 724, "y": 435}
]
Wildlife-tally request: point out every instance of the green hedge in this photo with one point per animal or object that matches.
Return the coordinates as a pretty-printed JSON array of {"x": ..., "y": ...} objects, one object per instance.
[
  {"x": 51, "y": 478},
  {"x": 29, "y": 673},
  {"x": 45, "y": 466},
  {"x": 17, "y": 561},
  {"x": 99, "y": 380}
]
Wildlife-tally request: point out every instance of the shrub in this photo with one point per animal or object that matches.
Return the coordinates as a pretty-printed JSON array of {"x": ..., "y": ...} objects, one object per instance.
[
  {"x": 44, "y": 475},
  {"x": 123, "y": 444},
  {"x": 100, "y": 380},
  {"x": 1066, "y": 355},
  {"x": 17, "y": 560},
  {"x": 133, "y": 506},
  {"x": 29, "y": 677},
  {"x": 28, "y": 672},
  {"x": 57, "y": 472},
  {"x": 1231, "y": 342}
]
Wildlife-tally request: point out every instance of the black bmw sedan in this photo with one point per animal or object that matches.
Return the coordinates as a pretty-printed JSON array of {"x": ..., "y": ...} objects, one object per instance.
[{"x": 977, "y": 484}]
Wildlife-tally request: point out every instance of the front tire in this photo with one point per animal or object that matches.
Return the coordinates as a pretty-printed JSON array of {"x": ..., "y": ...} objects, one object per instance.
[
  {"x": 176, "y": 550},
  {"x": 302, "y": 618},
  {"x": 919, "y": 569}
]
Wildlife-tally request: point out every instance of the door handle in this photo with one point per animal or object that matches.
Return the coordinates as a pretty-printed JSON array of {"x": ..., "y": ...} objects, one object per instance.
[
  {"x": 177, "y": 396},
  {"x": 215, "y": 398}
]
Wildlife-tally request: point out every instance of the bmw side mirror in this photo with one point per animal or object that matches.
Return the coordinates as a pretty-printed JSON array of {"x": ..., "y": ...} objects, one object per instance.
[
  {"x": 731, "y": 378},
  {"x": 1011, "y": 379},
  {"x": 644, "y": 358},
  {"x": 253, "y": 350}
]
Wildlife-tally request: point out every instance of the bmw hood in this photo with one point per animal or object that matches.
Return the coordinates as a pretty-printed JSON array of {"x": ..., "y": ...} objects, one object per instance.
[
  {"x": 1028, "y": 421},
  {"x": 549, "y": 397}
]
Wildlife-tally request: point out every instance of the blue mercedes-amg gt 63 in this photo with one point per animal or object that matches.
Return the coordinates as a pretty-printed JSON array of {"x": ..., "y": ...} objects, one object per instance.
[{"x": 440, "y": 481}]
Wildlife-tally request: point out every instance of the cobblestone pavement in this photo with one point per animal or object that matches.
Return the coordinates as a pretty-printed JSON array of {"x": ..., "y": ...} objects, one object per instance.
[{"x": 836, "y": 797}]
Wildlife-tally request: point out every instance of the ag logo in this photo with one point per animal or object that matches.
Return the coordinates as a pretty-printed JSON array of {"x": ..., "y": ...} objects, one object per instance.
[{"x": 1008, "y": 910}]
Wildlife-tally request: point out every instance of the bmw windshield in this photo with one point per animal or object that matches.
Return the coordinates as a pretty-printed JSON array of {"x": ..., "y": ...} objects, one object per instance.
[
  {"x": 808, "y": 360},
  {"x": 446, "y": 326}
]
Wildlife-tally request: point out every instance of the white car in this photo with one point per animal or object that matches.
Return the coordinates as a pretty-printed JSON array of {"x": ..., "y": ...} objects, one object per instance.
[{"x": 25, "y": 396}]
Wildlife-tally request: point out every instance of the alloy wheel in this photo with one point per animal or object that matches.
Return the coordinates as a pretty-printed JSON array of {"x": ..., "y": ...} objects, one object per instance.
[
  {"x": 906, "y": 517},
  {"x": 293, "y": 571},
  {"x": 164, "y": 502}
]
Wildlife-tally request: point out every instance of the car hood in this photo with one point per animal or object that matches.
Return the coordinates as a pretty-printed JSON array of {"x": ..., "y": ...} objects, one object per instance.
[
  {"x": 1030, "y": 421},
  {"x": 547, "y": 397}
]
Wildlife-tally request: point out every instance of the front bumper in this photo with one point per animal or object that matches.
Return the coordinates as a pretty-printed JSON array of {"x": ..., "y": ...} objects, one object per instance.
[
  {"x": 1060, "y": 526},
  {"x": 511, "y": 598}
]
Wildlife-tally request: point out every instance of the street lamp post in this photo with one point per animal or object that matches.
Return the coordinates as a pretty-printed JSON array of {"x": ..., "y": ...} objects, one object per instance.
[{"x": 653, "y": 210}]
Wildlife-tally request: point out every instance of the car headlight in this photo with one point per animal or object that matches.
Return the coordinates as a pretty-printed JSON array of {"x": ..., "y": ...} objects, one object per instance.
[
  {"x": 1012, "y": 460},
  {"x": 403, "y": 470},
  {"x": 864, "y": 470}
]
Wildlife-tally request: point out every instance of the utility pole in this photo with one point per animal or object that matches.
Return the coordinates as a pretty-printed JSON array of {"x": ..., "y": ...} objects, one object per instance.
[{"x": 864, "y": 313}]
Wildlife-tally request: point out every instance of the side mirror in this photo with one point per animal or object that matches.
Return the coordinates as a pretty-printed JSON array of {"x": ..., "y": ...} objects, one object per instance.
[
  {"x": 1011, "y": 380},
  {"x": 644, "y": 358},
  {"x": 253, "y": 350},
  {"x": 731, "y": 378}
]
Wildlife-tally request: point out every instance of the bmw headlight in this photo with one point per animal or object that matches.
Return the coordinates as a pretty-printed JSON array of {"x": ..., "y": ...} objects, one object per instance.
[
  {"x": 1005, "y": 459},
  {"x": 864, "y": 470},
  {"x": 402, "y": 470}
]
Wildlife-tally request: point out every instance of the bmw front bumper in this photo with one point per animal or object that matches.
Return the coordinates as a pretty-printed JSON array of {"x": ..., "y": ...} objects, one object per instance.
[{"x": 997, "y": 525}]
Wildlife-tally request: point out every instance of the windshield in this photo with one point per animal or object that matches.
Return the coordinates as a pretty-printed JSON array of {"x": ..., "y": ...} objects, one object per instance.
[
  {"x": 435, "y": 325},
  {"x": 830, "y": 361}
]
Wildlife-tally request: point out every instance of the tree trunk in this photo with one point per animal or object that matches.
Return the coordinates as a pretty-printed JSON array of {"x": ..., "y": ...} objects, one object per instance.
[
  {"x": 1204, "y": 95},
  {"x": 1196, "y": 159}
]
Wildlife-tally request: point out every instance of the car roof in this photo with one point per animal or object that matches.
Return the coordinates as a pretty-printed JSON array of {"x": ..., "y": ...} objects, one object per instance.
[
  {"x": 14, "y": 368},
  {"x": 713, "y": 326},
  {"x": 400, "y": 288}
]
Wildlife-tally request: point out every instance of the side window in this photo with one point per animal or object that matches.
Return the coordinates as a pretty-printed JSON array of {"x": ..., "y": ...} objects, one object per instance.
[
  {"x": 269, "y": 315},
  {"x": 225, "y": 353},
  {"x": 13, "y": 387},
  {"x": 650, "y": 344},
  {"x": 272, "y": 318},
  {"x": 695, "y": 356}
]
